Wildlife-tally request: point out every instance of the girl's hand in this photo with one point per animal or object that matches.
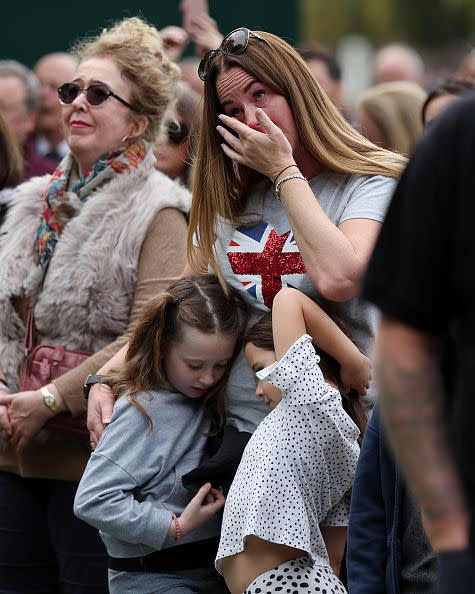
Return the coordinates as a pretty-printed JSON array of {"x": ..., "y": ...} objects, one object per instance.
[
  {"x": 356, "y": 375},
  {"x": 267, "y": 152},
  {"x": 201, "y": 508},
  {"x": 27, "y": 414},
  {"x": 99, "y": 411}
]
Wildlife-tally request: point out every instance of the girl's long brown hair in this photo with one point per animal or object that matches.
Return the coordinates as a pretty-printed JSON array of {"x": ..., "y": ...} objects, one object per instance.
[
  {"x": 195, "y": 302},
  {"x": 220, "y": 187},
  {"x": 260, "y": 335}
]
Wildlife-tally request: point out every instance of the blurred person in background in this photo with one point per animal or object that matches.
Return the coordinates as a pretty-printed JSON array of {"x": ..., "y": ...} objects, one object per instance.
[
  {"x": 398, "y": 61},
  {"x": 442, "y": 96},
  {"x": 19, "y": 97},
  {"x": 421, "y": 277},
  {"x": 11, "y": 165},
  {"x": 389, "y": 114},
  {"x": 388, "y": 549},
  {"x": 52, "y": 71},
  {"x": 467, "y": 67},
  {"x": 326, "y": 70},
  {"x": 172, "y": 149},
  {"x": 202, "y": 30}
]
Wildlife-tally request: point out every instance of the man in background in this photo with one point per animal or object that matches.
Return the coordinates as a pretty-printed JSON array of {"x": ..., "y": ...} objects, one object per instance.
[
  {"x": 52, "y": 70},
  {"x": 398, "y": 61},
  {"x": 19, "y": 95},
  {"x": 421, "y": 276}
]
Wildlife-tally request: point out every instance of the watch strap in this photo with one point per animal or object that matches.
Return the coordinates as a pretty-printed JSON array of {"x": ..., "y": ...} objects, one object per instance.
[{"x": 94, "y": 378}]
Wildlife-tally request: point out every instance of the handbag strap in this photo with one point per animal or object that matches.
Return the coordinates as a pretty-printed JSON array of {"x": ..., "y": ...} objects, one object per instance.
[{"x": 29, "y": 341}]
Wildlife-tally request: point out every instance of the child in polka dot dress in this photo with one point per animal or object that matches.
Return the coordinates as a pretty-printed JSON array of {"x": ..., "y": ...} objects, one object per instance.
[{"x": 284, "y": 525}]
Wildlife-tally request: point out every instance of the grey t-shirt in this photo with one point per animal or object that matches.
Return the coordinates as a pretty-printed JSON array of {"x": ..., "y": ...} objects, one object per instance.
[
  {"x": 132, "y": 482},
  {"x": 261, "y": 257}
]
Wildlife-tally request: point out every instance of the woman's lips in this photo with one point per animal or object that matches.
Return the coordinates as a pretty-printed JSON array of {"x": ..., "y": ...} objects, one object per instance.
[{"x": 79, "y": 124}]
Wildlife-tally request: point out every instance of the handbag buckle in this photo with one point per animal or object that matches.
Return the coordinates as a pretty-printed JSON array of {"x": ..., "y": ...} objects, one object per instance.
[{"x": 45, "y": 368}]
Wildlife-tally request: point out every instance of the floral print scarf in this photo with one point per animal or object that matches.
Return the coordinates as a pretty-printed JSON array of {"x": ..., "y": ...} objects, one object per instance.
[{"x": 57, "y": 210}]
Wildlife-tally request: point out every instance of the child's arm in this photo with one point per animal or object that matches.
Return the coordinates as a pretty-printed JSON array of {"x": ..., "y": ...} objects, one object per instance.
[
  {"x": 294, "y": 314},
  {"x": 335, "y": 540}
]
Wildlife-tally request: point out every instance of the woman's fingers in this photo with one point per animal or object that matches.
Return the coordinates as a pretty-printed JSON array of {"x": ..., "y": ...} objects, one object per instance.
[
  {"x": 229, "y": 137},
  {"x": 265, "y": 121},
  {"x": 233, "y": 123}
]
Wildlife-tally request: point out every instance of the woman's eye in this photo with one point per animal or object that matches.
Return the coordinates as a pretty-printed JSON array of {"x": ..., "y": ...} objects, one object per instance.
[
  {"x": 234, "y": 113},
  {"x": 259, "y": 94},
  {"x": 194, "y": 367}
]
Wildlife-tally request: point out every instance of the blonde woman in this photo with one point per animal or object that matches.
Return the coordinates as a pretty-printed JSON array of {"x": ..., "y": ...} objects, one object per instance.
[
  {"x": 389, "y": 115},
  {"x": 89, "y": 245}
]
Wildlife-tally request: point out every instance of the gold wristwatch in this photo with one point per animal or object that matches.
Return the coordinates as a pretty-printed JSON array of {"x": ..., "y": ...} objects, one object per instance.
[{"x": 50, "y": 400}]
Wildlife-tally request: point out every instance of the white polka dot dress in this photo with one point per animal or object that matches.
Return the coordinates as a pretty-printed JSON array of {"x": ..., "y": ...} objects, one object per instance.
[{"x": 298, "y": 464}]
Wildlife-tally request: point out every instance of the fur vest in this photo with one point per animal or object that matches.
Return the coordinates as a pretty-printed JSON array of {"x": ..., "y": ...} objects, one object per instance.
[{"x": 85, "y": 299}]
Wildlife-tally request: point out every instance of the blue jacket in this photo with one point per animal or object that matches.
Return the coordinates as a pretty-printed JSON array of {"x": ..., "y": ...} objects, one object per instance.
[{"x": 373, "y": 550}]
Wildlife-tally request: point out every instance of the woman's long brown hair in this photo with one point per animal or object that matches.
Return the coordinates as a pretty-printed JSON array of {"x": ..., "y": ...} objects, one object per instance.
[{"x": 195, "y": 302}]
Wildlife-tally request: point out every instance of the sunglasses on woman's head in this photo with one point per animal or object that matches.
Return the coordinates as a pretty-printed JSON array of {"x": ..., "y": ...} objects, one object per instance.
[
  {"x": 176, "y": 132},
  {"x": 233, "y": 44},
  {"x": 96, "y": 94}
]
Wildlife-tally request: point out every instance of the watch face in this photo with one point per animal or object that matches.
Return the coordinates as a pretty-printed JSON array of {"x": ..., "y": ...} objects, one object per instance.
[{"x": 49, "y": 400}]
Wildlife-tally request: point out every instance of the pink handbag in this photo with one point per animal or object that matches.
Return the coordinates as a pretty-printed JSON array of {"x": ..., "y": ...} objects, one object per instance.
[{"x": 45, "y": 363}]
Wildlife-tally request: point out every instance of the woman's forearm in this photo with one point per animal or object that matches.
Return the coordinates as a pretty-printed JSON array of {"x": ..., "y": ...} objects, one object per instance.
[{"x": 334, "y": 258}]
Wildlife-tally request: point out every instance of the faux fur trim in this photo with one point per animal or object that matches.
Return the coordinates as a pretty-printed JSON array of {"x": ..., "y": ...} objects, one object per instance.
[{"x": 87, "y": 294}]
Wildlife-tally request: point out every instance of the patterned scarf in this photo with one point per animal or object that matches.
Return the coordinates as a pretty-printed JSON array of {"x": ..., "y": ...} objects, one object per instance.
[{"x": 57, "y": 210}]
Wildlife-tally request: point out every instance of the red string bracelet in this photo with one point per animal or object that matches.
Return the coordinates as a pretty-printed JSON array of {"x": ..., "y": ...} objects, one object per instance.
[{"x": 177, "y": 528}]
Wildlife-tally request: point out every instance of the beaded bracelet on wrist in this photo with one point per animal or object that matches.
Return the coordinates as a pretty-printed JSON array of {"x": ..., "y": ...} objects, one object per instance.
[{"x": 287, "y": 178}]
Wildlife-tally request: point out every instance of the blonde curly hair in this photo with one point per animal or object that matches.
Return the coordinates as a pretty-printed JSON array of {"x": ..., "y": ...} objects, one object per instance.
[{"x": 137, "y": 50}]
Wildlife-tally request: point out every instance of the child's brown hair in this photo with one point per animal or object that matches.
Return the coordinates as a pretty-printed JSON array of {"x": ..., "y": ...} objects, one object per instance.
[{"x": 196, "y": 302}]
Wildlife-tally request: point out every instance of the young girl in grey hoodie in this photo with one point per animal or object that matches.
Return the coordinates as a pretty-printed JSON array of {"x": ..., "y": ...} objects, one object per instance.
[{"x": 159, "y": 537}]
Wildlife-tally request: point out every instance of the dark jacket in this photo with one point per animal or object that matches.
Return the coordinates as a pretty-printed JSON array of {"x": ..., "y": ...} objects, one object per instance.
[
  {"x": 373, "y": 550},
  {"x": 35, "y": 164}
]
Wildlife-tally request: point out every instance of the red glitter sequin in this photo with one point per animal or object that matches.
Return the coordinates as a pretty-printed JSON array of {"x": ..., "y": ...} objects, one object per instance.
[{"x": 270, "y": 264}]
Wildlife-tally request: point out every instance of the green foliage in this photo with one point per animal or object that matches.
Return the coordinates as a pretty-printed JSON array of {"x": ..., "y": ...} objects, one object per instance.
[{"x": 428, "y": 23}]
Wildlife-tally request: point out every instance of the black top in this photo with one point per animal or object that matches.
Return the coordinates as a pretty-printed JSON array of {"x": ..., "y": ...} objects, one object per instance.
[{"x": 422, "y": 272}]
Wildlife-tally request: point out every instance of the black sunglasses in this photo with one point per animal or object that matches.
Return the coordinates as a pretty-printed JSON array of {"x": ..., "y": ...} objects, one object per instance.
[
  {"x": 176, "y": 132},
  {"x": 233, "y": 44},
  {"x": 95, "y": 94}
]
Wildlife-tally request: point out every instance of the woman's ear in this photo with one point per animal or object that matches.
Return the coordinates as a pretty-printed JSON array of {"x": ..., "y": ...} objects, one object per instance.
[{"x": 139, "y": 125}]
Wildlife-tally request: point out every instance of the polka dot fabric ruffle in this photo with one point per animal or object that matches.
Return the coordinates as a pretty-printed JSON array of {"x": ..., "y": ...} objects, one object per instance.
[{"x": 297, "y": 577}]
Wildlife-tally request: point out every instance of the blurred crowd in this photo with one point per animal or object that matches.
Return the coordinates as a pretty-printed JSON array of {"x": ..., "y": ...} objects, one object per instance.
[{"x": 388, "y": 113}]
